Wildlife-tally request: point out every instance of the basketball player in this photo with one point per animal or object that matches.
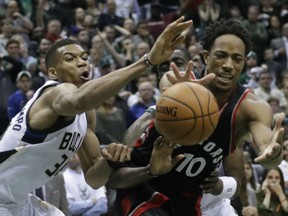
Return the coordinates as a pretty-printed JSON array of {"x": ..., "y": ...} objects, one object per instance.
[
  {"x": 60, "y": 120},
  {"x": 179, "y": 191}
]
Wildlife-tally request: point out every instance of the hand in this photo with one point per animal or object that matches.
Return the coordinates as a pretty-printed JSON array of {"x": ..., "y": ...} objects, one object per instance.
[
  {"x": 273, "y": 154},
  {"x": 265, "y": 187},
  {"x": 170, "y": 38},
  {"x": 180, "y": 76},
  {"x": 17, "y": 15},
  {"x": 249, "y": 211},
  {"x": 116, "y": 152},
  {"x": 212, "y": 184},
  {"x": 161, "y": 160},
  {"x": 276, "y": 188}
]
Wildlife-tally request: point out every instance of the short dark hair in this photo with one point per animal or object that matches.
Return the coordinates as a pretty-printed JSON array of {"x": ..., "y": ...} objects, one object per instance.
[
  {"x": 51, "y": 55},
  {"x": 223, "y": 27},
  {"x": 12, "y": 41}
]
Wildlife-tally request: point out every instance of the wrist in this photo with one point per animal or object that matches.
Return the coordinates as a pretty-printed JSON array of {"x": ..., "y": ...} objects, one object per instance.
[
  {"x": 229, "y": 187},
  {"x": 147, "y": 61},
  {"x": 148, "y": 170}
]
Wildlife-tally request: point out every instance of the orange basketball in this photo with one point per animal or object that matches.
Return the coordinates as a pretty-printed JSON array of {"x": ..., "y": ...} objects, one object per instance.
[{"x": 186, "y": 113}]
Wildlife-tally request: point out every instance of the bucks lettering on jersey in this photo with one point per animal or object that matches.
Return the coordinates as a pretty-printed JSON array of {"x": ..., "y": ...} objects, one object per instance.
[{"x": 39, "y": 155}]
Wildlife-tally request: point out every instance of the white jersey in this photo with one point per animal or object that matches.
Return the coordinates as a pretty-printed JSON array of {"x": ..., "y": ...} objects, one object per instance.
[{"x": 39, "y": 155}]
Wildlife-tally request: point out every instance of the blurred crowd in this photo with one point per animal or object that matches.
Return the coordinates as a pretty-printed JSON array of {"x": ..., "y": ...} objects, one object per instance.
[{"x": 115, "y": 33}]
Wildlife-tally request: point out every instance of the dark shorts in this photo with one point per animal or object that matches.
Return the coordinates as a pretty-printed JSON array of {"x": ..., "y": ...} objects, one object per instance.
[{"x": 155, "y": 212}]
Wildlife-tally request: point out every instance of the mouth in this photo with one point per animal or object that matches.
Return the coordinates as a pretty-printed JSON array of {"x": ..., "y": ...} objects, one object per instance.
[
  {"x": 85, "y": 76},
  {"x": 225, "y": 77}
]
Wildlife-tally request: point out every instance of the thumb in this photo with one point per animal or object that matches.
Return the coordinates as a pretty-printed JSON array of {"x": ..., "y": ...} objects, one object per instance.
[{"x": 177, "y": 159}]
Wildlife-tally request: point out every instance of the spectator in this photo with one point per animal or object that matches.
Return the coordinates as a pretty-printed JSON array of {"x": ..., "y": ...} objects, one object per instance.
[
  {"x": 143, "y": 34},
  {"x": 146, "y": 99},
  {"x": 284, "y": 164},
  {"x": 6, "y": 32},
  {"x": 53, "y": 32},
  {"x": 271, "y": 198},
  {"x": 257, "y": 30},
  {"x": 17, "y": 100},
  {"x": 264, "y": 91},
  {"x": 110, "y": 18},
  {"x": 279, "y": 47},
  {"x": 21, "y": 24},
  {"x": 82, "y": 199}
]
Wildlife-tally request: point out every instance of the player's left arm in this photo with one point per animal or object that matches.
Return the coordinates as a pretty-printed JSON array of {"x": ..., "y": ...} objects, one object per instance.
[
  {"x": 94, "y": 160},
  {"x": 227, "y": 186},
  {"x": 266, "y": 141}
]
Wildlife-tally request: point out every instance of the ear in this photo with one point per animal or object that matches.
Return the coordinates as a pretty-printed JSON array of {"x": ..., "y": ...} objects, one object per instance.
[
  {"x": 52, "y": 73},
  {"x": 206, "y": 56}
]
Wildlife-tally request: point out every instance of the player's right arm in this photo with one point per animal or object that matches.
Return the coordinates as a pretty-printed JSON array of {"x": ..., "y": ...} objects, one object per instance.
[{"x": 91, "y": 94}]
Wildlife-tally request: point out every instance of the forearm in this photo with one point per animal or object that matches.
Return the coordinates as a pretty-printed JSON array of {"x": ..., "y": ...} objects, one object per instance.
[
  {"x": 98, "y": 174},
  {"x": 128, "y": 177},
  {"x": 283, "y": 202},
  {"x": 266, "y": 201},
  {"x": 94, "y": 92}
]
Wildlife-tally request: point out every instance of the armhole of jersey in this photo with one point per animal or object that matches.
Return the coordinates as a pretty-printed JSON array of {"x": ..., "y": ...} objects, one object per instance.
[{"x": 35, "y": 136}]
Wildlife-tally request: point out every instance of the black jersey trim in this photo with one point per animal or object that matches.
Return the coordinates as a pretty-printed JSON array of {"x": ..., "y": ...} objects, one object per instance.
[{"x": 6, "y": 154}]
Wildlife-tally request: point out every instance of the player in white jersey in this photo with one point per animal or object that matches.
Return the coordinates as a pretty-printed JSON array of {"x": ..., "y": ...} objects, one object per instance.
[{"x": 60, "y": 121}]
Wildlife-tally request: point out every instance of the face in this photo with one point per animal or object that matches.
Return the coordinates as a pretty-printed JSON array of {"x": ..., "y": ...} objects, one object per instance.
[
  {"x": 248, "y": 171},
  {"x": 73, "y": 65},
  {"x": 83, "y": 36},
  {"x": 142, "y": 48},
  {"x": 146, "y": 90},
  {"x": 275, "y": 22},
  {"x": 111, "y": 6},
  {"x": 265, "y": 80},
  {"x": 143, "y": 29},
  {"x": 12, "y": 7},
  {"x": 226, "y": 60},
  {"x": 54, "y": 27},
  {"x": 42, "y": 65},
  {"x": 129, "y": 24},
  {"x": 178, "y": 58},
  {"x": 285, "y": 30},
  {"x": 24, "y": 83},
  {"x": 44, "y": 45},
  {"x": 79, "y": 14},
  {"x": 13, "y": 50},
  {"x": 273, "y": 177}
]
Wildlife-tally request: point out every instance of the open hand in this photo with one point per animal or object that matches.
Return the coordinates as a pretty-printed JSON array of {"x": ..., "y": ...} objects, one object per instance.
[
  {"x": 172, "y": 36},
  {"x": 161, "y": 160},
  {"x": 273, "y": 154},
  {"x": 187, "y": 76}
]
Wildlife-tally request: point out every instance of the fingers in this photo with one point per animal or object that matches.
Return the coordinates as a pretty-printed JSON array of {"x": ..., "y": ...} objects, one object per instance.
[
  {"x": 117, "y": 152},
  {"x": 260, "y": 158},
  {"x": 176, "y": 159},
  {"x": 206, "y": 79}
]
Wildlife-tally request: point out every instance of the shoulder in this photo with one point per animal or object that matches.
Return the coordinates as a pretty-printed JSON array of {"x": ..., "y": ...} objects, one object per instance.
[{"x": 252, "y": 107}]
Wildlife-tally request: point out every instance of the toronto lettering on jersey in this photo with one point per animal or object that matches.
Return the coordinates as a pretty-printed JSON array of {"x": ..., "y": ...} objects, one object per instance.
[
  {"x": 71, "y": 141},
  {"x": 167, "y": 110}
]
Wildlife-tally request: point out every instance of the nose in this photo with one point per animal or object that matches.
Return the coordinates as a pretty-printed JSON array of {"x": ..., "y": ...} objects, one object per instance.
[
  {"x": 81, "y": 62},
  {"x": 228, "y": 64}
]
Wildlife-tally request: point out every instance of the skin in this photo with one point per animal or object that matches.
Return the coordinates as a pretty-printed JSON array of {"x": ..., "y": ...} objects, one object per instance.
[
  {"x": 225, "y": 61},
  {"x": 212, "y": 184},
  {"x": 77, "y": 94}
]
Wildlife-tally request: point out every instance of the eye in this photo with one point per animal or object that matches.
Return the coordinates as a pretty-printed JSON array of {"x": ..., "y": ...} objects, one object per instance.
[{"x": 69, "y": 59}]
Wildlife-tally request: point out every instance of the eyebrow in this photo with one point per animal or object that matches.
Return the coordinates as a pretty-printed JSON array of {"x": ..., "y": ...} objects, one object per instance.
[{"x": 74, "y": 53}]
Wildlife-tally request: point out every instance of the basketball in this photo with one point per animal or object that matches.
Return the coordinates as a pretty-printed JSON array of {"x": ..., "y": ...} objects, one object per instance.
[{"x": 186, "y": 113}]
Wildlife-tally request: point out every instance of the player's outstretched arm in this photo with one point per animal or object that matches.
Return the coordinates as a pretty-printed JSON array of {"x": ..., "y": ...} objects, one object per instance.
[
  {"x": 94, "y": 92},
  {"x": 266, "y": 141}
]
